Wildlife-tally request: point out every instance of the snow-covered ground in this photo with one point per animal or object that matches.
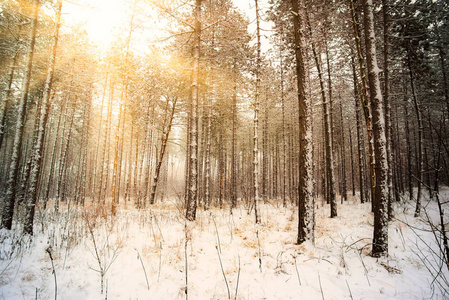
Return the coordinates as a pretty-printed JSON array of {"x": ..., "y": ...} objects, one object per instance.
[{"x": 144, "y": 255}]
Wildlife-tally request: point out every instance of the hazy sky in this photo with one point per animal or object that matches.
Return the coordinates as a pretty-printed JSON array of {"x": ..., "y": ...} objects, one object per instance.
[{"x": 103, "y": 18}]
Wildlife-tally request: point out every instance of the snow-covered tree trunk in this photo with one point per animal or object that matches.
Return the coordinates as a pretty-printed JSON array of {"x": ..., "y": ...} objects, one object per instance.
[
  {"x": 105, "y": 154},
  {"x": 11, "y": 182},
  {"x": 234, "y": 144},
  {"x": 265, "y": 150},
  {"x": 53, "y": 160},
  {"x": 207, "y": 155},
  {"x": 38, "y": 147},
  {"x": 380, "y": 238},
  {"x": 121, "y": 168},
  {"x": 192, "y": 192},
  {"x": 327, "y": 128},
  {"x": 164, "y": 140},
  {"x": 330, "y": 112},
  {"x": 344, "y": 194},
  {"x": 363, "y": 93},
  {"x": 61, "y": 182},
  {"x": 306, "y": 222},
  {"x": 386, "y": 95},
  {"x": 134, "y": 191},
  {"x": 148, "y": 158},
  {"x": 130, "y": 165},
  {"x": 284, "y": 137},
  {"x": 85, "y": 146},
  {"x": 441, "y": 54},
  {"x": 420, "y": 156},
  {"x": 409, "y": 148},
  {"x": 352, "y": 162},
  {"x": 256, "y": 121},
  {"x": 118, "y": 150},
  {"x": 141, "y": 164},
  {"x": 115, "y": 170},
  {"x": 221, "y": 167},
  {"x": 7, "y": 97},
  {"x": 96, "y": 169}
]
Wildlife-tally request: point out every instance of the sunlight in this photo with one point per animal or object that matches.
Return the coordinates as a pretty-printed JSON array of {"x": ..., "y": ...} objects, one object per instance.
[{"x": 102, "y": 19}]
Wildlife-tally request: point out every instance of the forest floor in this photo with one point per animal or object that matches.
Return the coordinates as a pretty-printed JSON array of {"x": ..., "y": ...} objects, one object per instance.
[{"x": 151, "y": 253}]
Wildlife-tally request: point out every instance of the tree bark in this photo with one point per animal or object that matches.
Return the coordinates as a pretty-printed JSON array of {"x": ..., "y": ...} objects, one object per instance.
[
  {"x": 256, "y": 122},
  {"x": 386, "y": 95},
  {"x": 344, "y": 195},
  {"x": 327, "y": 129},
  {"x": 10, "y": 195},
  {"x": 284, "y": 137},
  {"x": 95, "y": 175},
  {"x": 380, "y": 236},
  {"x": 306, "y": 222},
  {"x": 192, "y": 193},
  {"x": 38, "y": 147},
  {"x": 207, "y": 191},
  {"x": 265, "y": 150},
  {"x": 164, "y": 140},
  {"x": 7, "y": 98},
  {"x": 363, "y": 93},
  {"x": 352, "y": 162},
  {"x": 420, "y": 156},
  {"x": 234, "y": 143}
]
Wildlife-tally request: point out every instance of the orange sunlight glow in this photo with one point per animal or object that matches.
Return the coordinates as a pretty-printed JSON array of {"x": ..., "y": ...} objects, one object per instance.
[{"x": 102, "y": 19}]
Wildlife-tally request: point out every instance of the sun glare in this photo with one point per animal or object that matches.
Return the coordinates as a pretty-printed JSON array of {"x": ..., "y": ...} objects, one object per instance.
[{"x": 101, "y": 18}]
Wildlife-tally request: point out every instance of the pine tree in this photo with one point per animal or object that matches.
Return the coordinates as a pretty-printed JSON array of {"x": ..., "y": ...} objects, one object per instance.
[
  {"x": 380, "y": 239},
  {"x": 10, "y": 195},
  {"x": 306, "y": 223},
  {"x": 38, "y": 147}
]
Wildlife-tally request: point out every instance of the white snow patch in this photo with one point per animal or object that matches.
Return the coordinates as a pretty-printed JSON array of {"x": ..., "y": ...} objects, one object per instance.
[{"x": 338, "y": 263}]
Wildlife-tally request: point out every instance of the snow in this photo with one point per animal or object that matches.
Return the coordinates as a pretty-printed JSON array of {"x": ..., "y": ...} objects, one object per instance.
[{"x": 151, "y": 243}]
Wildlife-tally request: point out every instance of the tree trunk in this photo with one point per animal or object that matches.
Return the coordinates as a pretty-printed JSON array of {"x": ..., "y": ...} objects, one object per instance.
[
  {"x": 10, "y": 194},
  {"x": 418, "y": 113},
  {"x": 61, "y": 183},
  {"x": 207, "y": 156},
  {"x": 221, "y": 169},
  {"x": 234, "y": 144},
  {"x": 192, "y": 192},
  {"x": 344, "y": 195},
  {"x": 38, "y": 147},
  {"x": 95, "y": 175},
  {"x": 265, "y": 150},
  {"x": 53, "y": 158},
  {"x": 441, "y": 54},
  {"x": 130, "y": 164},
  {"x": 409, "y": 152},
  {"x": 284, "y": 137},
  {"x": 352, "y": 162},
  {"x": 104, "y": 176},
  {"x": 380, "y": 237},
  {"x": 7, "y": 98},
  {"x": 386, "y": 95},
  {"x": 164, "y": 140},
  {"x": 256, "y": 121},
  {"x": 115, "y": 170},
  {"x": 306, "y": 222},
  {"x": 327, "y": 129},
  {"x": 363, "y": 93}
]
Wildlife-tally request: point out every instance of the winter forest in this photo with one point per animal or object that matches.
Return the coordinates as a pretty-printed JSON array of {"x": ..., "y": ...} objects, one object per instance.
[{"x": 219, "y": 149}]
